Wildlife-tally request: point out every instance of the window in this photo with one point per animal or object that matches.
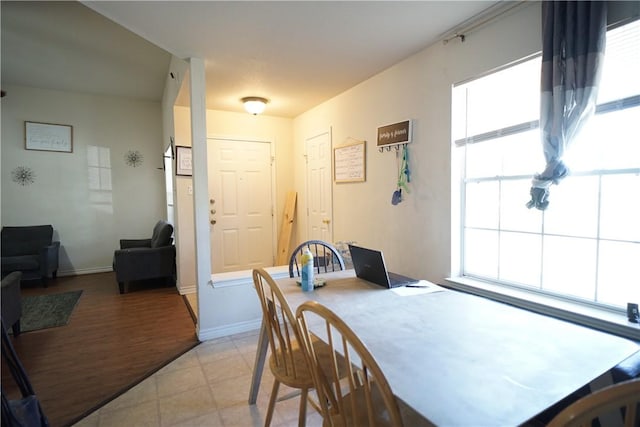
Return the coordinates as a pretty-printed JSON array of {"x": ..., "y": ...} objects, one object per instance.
[
  {"x": 586, "y": 245},
  {"x": 99, "y": 177}
]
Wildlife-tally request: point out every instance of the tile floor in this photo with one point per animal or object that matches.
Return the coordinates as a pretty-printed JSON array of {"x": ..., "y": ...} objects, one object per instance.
[{"x": 207, "y": 386}]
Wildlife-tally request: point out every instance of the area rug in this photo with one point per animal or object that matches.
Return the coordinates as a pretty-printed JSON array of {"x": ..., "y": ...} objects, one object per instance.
[{"x": 47, "y": 311}]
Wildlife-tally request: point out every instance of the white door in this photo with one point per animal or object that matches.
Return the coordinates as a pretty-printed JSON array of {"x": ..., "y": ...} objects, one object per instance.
[
  {"x": 320, "y": 211},
  {"x": 240, "y": 204}
]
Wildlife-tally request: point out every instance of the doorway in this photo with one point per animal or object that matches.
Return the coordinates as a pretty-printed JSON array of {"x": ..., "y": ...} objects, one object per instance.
[
  {"x": 319, "y": 187},
  {"x": 241, "y": 204},
  {"x": 168, "y": 182}
]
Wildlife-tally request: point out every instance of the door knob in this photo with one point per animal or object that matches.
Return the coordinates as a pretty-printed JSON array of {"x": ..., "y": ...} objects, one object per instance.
[
  {"x": 213, "y": 221},
  {"x": 326, "y": 221}
]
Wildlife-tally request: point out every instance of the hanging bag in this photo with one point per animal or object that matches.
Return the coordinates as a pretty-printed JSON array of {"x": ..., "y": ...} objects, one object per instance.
[{"x": 26, "y": 411}]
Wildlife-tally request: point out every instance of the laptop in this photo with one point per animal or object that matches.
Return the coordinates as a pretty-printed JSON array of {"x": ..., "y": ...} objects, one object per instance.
[{"x": 369, "y": 265}]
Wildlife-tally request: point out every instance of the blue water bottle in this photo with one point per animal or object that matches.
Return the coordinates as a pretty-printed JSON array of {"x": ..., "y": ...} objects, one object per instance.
[{"x": 307, "y": 270}]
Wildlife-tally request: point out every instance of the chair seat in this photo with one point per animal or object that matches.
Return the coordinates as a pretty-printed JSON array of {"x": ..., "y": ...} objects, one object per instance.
[
  {"x": 302, "y": 377},
  {"x": 20, "y": 263},
  {"x": 380, "y": 415}
]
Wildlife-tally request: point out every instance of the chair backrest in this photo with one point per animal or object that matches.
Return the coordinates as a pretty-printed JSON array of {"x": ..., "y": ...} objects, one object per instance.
[
  {"x": 25, "y": 240},
  {"x": 616, "y": 404},
  {"x": 280, "y": 323},
  {"x": 366, "y": 399},
  {"x": 325, "y": 258},
  {"x": 161, "y": 236}
]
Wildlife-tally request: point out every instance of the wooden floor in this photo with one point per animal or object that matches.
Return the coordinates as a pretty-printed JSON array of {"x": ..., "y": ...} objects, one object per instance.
[{"x": 111, "y": 343}]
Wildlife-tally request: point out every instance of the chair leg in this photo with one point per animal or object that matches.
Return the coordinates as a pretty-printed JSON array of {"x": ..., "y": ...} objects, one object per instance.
[
  {"x": 302, "y": 416},
  {"x": 272, "y": 402},
  {"x": 170, "y": 281},
  {"x": 121, "y": 286},
  {"x": 16, "y": 328}
]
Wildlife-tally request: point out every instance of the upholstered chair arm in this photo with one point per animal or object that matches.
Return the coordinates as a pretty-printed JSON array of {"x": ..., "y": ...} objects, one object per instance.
[
  {"x": 49, "y": 256},
  {"x": 135, "y": 243},
  {"x": 11, "y": 299}
]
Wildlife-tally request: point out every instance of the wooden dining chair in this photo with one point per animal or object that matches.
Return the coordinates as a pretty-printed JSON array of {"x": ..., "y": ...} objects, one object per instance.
[
  {"x": 326, "y": 258},
  {"x": 287, "y": 361},
  {"x": 617, "y": 404},
  {"x": 363, "y": 397}
]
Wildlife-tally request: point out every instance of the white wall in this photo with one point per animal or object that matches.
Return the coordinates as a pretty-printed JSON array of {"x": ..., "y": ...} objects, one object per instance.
[
  {"x": 88, "y": 223},
  {"x": 416, "y": 234}
]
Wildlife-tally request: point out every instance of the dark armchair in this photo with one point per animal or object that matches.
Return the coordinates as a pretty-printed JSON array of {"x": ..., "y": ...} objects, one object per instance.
[
  {"x": 141, "y": 259},
  {"x": 12, "y": 302},
  {"x": 31, "y": 250}
]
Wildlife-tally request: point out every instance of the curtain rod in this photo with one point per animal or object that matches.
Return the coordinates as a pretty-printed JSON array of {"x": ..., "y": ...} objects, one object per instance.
[{"x": 488, "y": 15}]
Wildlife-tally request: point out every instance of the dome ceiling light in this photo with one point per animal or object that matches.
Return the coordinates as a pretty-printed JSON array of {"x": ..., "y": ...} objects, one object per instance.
[{"x": 254, "y": 104}]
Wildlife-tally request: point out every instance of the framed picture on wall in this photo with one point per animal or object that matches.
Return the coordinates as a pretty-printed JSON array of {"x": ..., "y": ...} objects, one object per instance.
[
  {"x": 183, "y": 161},
  {"x": 48, "y": 137},
  {"x": 349, "y": 162}
]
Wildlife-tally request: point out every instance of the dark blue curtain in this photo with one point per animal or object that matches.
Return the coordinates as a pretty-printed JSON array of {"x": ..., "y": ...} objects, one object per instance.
[{"x": 573, "y": 43}]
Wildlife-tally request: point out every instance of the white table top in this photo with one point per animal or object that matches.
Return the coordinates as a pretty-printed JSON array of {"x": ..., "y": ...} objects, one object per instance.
[{"x": 459, "y": 359}]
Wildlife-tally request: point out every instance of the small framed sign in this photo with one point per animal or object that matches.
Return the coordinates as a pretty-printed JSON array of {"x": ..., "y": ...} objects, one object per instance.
[
  {"x": 395, "y": 134},
  {"x": 48, "y": 137},
  {"x": 183, "y": 161}
]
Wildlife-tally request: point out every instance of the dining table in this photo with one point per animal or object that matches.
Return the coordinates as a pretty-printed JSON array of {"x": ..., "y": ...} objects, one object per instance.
[{"x": 457, "y": 359}]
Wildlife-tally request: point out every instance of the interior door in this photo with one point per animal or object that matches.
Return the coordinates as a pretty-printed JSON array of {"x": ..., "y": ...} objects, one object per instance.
[
  {"x": 319, "y": 190},
  {"x": 240, "y": 204}
]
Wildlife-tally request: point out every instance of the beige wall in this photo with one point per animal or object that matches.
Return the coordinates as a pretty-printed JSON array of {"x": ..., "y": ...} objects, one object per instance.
[
  {"x": 416, "y": 234},
  {"x": 232, "y": 125},
  {"x": 88, "y": 223}
]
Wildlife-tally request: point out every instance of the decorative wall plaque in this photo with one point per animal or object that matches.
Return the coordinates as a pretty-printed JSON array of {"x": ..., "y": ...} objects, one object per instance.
[
  {"x": 48, "y": 137},
  {"x": 133, "y": 158},
  {"x": 23, "y": 175},
  {"x": 395, "y": 134}
]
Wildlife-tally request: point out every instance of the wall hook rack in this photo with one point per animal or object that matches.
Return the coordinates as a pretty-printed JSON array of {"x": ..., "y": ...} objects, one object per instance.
[
  {"x": 396, "y": 135},
  {"x": 389, "y": 147}
]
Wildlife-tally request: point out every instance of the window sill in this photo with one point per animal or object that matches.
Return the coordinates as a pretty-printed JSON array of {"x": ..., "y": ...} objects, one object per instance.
[{"x": 605, "y": 320}]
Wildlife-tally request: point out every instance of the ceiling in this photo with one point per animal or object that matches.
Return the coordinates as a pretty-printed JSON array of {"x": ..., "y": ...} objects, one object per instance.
[{"x": 297, "y": 54}]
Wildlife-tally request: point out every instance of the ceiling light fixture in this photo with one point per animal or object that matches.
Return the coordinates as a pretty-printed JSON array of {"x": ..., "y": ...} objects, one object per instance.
[{"x": 254, "y": 104}]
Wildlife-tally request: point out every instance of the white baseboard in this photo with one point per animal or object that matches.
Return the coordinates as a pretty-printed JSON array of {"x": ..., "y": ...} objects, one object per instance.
[
  {"x": 226, "y": 330},
  {"x": 188, "y": 289},
  {"x": 79, "y": 272}
]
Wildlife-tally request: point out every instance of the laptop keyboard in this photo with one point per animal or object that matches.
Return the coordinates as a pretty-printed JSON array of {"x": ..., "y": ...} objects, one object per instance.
[{"x": 399, "y": 280}]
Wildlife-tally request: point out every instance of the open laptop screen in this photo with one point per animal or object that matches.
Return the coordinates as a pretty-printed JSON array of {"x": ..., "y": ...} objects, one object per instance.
[{"x": 370, "y": 266}]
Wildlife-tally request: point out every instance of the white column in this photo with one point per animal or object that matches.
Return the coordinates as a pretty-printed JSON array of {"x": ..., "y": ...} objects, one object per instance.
[{"x": 200, "y": 190}]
